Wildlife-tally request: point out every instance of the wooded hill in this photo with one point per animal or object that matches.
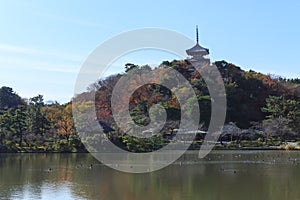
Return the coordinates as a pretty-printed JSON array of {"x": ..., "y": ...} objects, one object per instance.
[
  {"x": 267, "y": 105},
  {"x": 257, "y": 101},
  {"x": 246, "y": 91}
]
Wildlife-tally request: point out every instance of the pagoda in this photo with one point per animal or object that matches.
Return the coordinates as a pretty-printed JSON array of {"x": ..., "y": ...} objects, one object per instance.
[{"x": 197, "y": 53}]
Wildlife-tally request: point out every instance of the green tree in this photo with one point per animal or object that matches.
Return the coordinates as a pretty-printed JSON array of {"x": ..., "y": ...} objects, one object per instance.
[
  {"x": 37, "y": 121},
  {"x": 9, "y": 99},
  {"x": 13, "y": 124},
  {"x": 19, "y": 123},
  {"x": 130, "y": 66},
  {"x": 279, "y": 106},
  {"x": 5, "y": 125},
  {"x": 283, "y": 116}
]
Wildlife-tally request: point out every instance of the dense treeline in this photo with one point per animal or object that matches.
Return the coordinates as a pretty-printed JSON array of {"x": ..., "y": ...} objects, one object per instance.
[
  {"x": 266, "y": 106},
  {"x": 246, "y": 91},
  {"x": 33, "y": 126}
]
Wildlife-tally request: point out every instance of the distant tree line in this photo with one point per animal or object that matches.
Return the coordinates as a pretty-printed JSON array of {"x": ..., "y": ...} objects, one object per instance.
[
  {"x": 33, "y": 126},
  {"x": 266, "y": 105}
]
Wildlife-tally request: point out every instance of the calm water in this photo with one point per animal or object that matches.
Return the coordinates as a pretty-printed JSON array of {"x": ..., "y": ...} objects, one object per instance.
[{"x": 221, "y": 175}]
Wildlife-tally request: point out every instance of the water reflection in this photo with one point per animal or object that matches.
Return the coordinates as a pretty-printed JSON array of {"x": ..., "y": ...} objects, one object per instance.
[{"x": 221, "y": 175}]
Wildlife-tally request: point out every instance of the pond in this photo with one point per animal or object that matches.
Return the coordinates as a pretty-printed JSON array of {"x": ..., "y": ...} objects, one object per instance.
[{"x": 221, "y": 175}]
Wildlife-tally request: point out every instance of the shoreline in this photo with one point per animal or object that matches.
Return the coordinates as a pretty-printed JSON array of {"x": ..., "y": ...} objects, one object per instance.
[{"x": 273, "y": 148}]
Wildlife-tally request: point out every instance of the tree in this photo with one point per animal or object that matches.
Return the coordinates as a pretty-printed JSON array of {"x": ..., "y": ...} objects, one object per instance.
[
  {"x": 283, "y": 116},
  {"x": 130, "y": 66},
  {"x": 54, "y": 114},
  {"x": 66, "y": 124},
  {"x": 5, "y": 125},
  {"x": 280, "y": 107},
  {"x": 13, "y": 124},
  {"x": 9, "y": 99},
  {"x": 278, "y": 126},
  {"x": 37, "y": 122},
  {"x": 232, "y": 130},
  {"x": 19, "y": 123}
]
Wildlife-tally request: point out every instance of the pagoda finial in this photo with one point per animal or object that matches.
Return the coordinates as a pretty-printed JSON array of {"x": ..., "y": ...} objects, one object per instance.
[{"x": 197, "y": 36}]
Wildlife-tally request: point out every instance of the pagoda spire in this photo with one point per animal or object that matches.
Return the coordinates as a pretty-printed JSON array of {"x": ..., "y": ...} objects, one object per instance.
[{"x": 197, "y": 35}]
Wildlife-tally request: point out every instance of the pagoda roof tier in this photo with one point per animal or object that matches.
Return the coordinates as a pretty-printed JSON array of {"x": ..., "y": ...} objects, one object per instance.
[{"x": 197, "y": 50}]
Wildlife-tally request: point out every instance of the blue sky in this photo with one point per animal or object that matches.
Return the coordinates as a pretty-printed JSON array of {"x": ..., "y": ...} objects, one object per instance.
[{"x": 44, "y": 43}]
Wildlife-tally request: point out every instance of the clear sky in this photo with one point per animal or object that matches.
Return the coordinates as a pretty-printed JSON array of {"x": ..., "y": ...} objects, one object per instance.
[{"x": 44, "y": 43}]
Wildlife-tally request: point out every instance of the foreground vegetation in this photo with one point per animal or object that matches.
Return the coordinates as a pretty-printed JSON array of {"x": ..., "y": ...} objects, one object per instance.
[{"x": 262, "y": 111}]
